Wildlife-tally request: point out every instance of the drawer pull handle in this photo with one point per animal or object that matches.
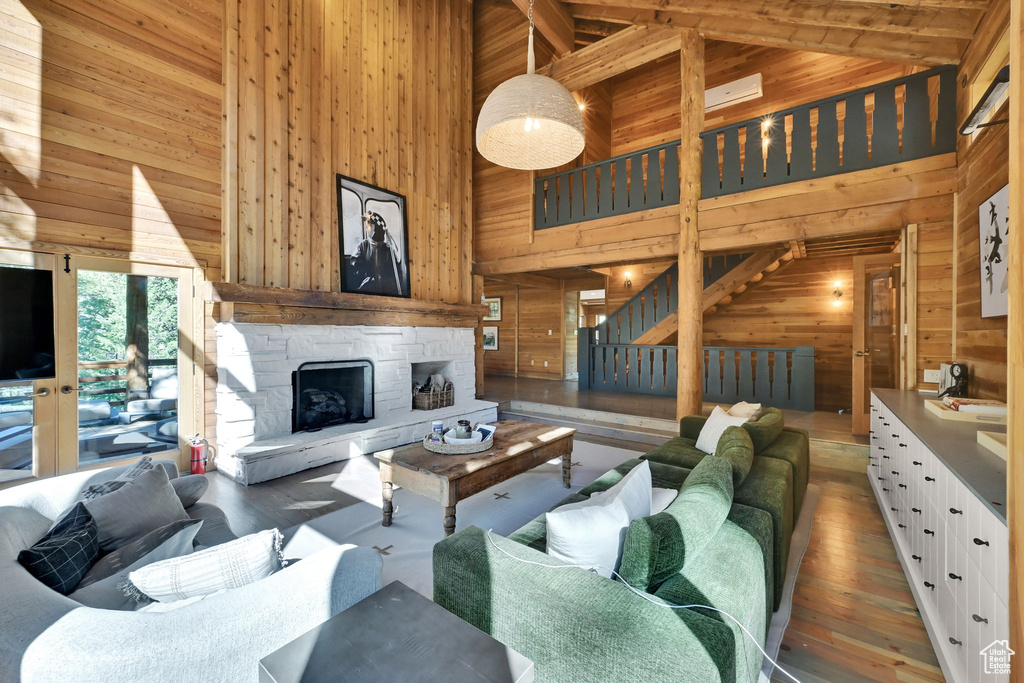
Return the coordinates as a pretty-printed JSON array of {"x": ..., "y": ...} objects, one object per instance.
[
  {"x": 929, "y": 532},
  {"x": 903, "y": 445},
  {"x": 980, "y": 620},
  {"x": 885, "y": 424},
  {"x": 954, "y": 511},
  {"x": 916, "y": 557},
  {"x": 894, "y": 509},
  {"x": 902, "y": 526},
  {"x": 874, "y": 438},
  {"x": 895, "y": 436},
  {"x": 881, "y": 479},
  {"x": 917, "y": 462},
  {"x": 929, "y": 584},
  {"x": 885, "y": 489},
  {"x": 917, "y": 510},
  {"x": 885, "y": 457},
  {"x": 902, "y": 486},
  {"x": 929, "y": 478},
  {"x": 954, "y": 641},
  {"x": 978, "y": 541},
  {"x": 955, "y": 577},
  {"x": 896, "y": 473}
]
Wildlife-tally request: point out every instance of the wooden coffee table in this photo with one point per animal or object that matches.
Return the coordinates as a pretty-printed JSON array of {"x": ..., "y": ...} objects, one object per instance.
[{"x": 518, "y": 447}]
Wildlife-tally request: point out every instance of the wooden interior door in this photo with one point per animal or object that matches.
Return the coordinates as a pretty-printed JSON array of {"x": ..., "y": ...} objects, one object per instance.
[{"x": 876, "y": 331}]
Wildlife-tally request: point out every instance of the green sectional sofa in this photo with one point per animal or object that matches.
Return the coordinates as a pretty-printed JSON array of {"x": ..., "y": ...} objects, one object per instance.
[
  {"x": 578, "y": 626},
  {"x": 723, "y": 542}
]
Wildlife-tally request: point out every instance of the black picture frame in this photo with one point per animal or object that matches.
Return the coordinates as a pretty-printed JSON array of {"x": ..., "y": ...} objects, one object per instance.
[{"x": 364, "y": 211}]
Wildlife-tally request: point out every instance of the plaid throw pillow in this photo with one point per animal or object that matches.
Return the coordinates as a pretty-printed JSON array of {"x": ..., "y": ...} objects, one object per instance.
[
  {"x": 66, "y": 553},
  {"x": 105, "y": 487}
]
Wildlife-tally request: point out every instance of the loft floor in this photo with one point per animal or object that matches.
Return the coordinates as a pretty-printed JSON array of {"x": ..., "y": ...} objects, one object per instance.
[
  {"x": 853, "y": 618},
  {"x": 820, "y": 425}
]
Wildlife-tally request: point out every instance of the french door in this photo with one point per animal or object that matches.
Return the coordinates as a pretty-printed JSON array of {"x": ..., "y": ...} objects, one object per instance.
[{"x": 125, "y": 378}]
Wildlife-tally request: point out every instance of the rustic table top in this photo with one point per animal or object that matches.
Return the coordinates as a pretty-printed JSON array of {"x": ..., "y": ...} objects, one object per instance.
[{"x": 512, "y": 438}]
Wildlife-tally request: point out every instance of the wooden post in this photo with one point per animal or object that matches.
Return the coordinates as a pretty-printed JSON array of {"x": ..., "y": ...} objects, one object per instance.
[
  {"x": 1015, "y": 347},
  {"x": 691, "y": 284},
  {"x": 136, "y": 339},
  {"x": 477, "y": 297}
]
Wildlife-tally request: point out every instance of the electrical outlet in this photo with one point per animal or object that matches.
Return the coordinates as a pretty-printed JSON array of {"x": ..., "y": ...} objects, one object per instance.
[
  {"x": 549, "y": 333},
  {"x": 932, "y": 376},
  {"x": 532, "y": 362},
  {"x": 545, "y": 363}
]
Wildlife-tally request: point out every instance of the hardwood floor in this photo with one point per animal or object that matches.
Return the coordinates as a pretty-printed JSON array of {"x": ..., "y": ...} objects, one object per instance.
[{"x": 853, "y": 619}]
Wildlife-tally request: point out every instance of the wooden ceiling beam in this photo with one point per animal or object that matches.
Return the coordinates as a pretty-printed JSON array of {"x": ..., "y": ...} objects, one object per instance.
[
  {"x": 619, "y": 52},
  {"x": 527, "y": 280},
  {"x": 554, "y": 23},
  {"x": 879, "y": 45},
  {"x": 921, "y": 21}
]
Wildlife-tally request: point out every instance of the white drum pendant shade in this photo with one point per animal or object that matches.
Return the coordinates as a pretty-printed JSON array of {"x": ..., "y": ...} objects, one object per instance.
[{"x": 530, "y": 122}]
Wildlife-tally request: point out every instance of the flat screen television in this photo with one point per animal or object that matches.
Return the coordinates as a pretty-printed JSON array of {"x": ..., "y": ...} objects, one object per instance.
[{"x": 26, "y": 324}]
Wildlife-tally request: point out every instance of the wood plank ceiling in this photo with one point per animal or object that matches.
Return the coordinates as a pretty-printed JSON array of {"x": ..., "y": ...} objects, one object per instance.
[{"x": 919, "y": 32}]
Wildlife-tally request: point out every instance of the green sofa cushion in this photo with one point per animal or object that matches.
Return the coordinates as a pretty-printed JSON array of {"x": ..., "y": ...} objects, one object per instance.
[
  {"x": 659, "y": 546},
  {"x": 758, "y": 524},
  {"x": 765, "y": 429},
  {"x": 793, "y": 446},
  {"x": 690, "y": 426},
  {"x": 769, "y": 487},
  {"x": 740, "y": 591},
  {"x": 678, "y": 451},
  {"x": 736, "y": 448}
]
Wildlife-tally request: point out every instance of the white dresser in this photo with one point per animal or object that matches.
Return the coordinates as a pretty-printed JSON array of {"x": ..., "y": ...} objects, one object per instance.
[{"x": 943, "y": 497}]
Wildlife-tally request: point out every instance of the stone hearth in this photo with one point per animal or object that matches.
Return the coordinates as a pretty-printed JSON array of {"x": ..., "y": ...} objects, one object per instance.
[{"x": 254, "y": 392}]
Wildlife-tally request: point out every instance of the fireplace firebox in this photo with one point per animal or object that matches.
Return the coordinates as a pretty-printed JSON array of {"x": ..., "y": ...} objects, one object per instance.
[{"x": 331, "y": 393}]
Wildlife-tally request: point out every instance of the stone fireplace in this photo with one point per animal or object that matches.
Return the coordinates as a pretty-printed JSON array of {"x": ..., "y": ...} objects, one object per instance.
[{"x": 256, "y": 396}]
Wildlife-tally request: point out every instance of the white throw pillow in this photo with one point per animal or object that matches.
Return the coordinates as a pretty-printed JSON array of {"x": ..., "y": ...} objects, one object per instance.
[
  {"x": 751, "y": 411},
  {"x": 228, "y": 565},
  {"x": 661, "y": 499},
  {"x": 717, "y": 423},
  {"x": 591, "y": 533}
]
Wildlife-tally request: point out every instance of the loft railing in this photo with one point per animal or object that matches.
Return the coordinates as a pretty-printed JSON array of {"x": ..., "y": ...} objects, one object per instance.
[
  {"x": 900, "y": 120},
  {"x": 777, "y": 377},
  {"x": 637, "y": 181}
]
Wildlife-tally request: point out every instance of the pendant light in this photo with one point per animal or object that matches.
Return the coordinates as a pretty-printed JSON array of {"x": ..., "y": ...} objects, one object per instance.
[{"x": 530, "y": 122}]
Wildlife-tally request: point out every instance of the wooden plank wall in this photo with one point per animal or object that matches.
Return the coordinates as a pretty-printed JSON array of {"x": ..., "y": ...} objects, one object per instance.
[
  {"x": 527, "y": 315},
  {"x": 372, "y": 89},
  {"x": 640, "y": 274},
  {"x": 794, "y": 308},
  {"x": 934, "y": 295},
  {"x": 983, "y": 169},
  {"x": 645, "y": 101},
  {"x": 110, "y": 138}
]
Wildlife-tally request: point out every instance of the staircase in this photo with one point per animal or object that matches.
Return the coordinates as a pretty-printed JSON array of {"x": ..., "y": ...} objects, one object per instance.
[{"x": 651, "y": 317}]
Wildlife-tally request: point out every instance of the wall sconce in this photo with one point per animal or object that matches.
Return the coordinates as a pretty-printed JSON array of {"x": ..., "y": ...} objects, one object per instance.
[
  {"x": 628, "y": 282},
  {"x": 985, "y": 105},
  {"x": 838, "y": 294}
]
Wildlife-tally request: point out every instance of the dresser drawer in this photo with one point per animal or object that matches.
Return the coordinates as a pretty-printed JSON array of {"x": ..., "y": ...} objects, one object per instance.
[
  {"x": 986, "y": 541},
  {"x": 988, "y": 620}
]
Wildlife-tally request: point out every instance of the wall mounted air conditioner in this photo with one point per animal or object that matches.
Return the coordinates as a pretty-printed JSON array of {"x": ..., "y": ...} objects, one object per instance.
[{"x": 741, "y": 90}]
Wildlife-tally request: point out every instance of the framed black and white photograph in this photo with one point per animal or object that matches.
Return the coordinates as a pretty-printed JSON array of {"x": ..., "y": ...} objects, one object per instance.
[
  {"x": 374, "y": 239},
  {"x": 994, "y": 235},
  {"x": 490, "y": 338},
  {"x": 493, "y": 305}
]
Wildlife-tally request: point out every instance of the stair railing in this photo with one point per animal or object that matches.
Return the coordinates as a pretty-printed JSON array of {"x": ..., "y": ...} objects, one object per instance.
[{"x": 648, "y": 307}]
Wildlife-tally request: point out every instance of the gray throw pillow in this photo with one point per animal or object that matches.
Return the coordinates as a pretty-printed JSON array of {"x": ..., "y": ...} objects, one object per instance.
[
  {"x": 104, "y": 487},
  {"x": 145, "y": 504},
  {"x": 190, "y": 488},
  {"x": 100, "y": 589}
]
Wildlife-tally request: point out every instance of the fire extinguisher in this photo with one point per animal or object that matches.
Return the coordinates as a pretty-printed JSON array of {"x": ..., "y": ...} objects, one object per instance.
[{"x": 199, "y": 453}]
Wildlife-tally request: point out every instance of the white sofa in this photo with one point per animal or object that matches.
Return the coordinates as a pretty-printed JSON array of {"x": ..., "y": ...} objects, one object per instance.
[{"x": 46, "y": 637}]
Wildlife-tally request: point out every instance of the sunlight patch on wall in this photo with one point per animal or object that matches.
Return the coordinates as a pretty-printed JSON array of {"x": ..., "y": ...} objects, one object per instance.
[
  {"x": 21, "y": 85},
  {"x": 149, "y": 215}
]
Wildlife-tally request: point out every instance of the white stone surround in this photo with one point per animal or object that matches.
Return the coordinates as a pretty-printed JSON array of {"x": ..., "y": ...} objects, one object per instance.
[{"x": 254, "y": 392}]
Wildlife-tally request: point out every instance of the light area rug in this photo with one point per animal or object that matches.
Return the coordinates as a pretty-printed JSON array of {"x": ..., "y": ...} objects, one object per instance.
[
  {"x": 407, "y": 545},
  {"x": 797, "y": 548}
]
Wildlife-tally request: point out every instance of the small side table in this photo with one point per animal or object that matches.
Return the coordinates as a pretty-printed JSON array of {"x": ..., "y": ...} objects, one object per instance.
[{"x": 396, "y": 634}]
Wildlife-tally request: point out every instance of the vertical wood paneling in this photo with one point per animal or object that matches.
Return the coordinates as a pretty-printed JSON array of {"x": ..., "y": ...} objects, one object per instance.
[
  {"x": 934, "y": 295},
  {"x": 983, "y": 169},
  {"x": 370, "y": 89}
]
